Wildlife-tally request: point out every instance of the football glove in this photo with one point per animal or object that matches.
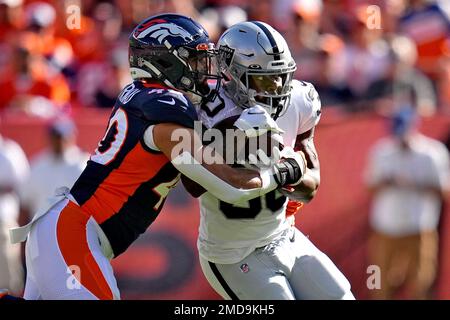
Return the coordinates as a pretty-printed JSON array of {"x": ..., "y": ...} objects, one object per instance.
[
  {"x": 255, "y": 121},
  {"x": 291, "y": 167}
]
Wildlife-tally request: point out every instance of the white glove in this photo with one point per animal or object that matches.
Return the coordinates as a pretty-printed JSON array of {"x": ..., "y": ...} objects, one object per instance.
[
  {"x": 256, "y": 121},
  {"x": 262, "y": 161}
]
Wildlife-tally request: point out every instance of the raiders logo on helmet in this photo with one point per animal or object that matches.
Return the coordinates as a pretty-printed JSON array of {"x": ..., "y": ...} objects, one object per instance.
[{"x": 226, "y": 54}]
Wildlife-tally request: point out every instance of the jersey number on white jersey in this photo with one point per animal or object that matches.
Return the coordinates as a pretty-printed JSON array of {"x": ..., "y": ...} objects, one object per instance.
[{"x": 255, "y": 206}]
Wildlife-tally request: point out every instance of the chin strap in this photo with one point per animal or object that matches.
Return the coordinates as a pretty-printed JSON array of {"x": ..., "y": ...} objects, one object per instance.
[{"x": 277, "y": 113}]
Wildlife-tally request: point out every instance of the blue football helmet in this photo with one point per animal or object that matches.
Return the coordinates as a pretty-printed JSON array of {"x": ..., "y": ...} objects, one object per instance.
[{"x": 176, "y": 51}]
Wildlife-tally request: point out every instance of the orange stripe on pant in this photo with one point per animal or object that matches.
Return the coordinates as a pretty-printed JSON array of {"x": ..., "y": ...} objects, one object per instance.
[{"x": 73, "y": 244}]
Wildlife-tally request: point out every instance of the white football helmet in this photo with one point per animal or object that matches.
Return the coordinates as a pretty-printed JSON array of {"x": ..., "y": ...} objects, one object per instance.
[{"x": 257, "y": 66}]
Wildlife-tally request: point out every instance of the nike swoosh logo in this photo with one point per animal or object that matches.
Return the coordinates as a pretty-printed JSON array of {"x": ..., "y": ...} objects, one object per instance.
[{"x": 171, "y": 102}]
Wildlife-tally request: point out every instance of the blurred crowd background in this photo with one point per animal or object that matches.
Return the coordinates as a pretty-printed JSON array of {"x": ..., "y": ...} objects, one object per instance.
[
  {"x": 63, "y": 59},
  {"x": 352, "y": 50}
]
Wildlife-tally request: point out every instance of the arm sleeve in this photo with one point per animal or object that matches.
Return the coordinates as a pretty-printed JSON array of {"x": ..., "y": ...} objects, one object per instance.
[{"x": 222, "y": 190}]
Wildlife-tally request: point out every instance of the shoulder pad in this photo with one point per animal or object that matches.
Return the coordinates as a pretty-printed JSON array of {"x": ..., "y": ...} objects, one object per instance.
[
  {"x": 307, "y": 100},
  {"x": 166, "y": 105}
]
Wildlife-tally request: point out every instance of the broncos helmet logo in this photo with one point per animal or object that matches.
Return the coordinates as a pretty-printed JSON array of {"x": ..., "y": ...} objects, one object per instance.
[{"x": 160, "y": 31}]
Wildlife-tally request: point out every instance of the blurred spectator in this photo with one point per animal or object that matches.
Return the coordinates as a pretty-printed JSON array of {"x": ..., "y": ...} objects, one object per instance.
[
  {"x": 98, "y": 32},
  {"x": 28, "y": 76},
  {"x": 39, "y": 37},
  {"x": 108, "y": 20},
  {"x": 391, "y": 14},
  {"x": 210, "y": 19},
  {"x": 408, "y": 174},
  {"x": 336, "y": 17},
  {"x": 308, "y": 17},
  {"x": 106, "y": 94},
  {"x": 303, "y": 37},
  {"x": 443, "y": 84},
  {"x": 35, "y": 60},
  {"x": 10, "y": 17},
  {"x": 217, "y": 20},
  {"x": 284, "y": 13},
  {"x": 262, "y": 10},
  {"x": 59, "y": 165},
  {"x": 99, "y": 82},
  {"x": 42, "y": 56},
  {"x": 362, "y": 61},
  {"x": 404, "y": 85},
  {"x": 13, "y": 171},
  {"x": 330, "y": 93},
  {"x": 428, "y": 25},
  {"x": 314, "y": 51},
  {"x": 136, "y": 10}
]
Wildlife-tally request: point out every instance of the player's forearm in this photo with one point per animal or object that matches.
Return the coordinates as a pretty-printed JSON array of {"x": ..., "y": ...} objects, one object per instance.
[
  {"x": 310, "y": 182},
  {"x": 232, "y": 189},
  {"x": 239, "y": 178},
  {"x": 307, "y": 188},
  {"x": 224, "y": 182}
]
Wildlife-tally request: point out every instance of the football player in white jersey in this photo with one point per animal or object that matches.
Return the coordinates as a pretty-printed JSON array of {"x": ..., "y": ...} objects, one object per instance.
[{"x": 250, "y": 250}]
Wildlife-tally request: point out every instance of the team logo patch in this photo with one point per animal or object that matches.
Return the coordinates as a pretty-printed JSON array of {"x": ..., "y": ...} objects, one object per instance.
[
  {"x": 244, "y": 268},
  {"x": 226, "y": 54},
  {"x": 160, "y": 29}
]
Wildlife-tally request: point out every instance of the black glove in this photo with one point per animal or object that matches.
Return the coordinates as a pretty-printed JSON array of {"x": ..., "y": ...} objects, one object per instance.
[
  {"x": 288, "y": 172},
  {"x": 290, "y": 168}
]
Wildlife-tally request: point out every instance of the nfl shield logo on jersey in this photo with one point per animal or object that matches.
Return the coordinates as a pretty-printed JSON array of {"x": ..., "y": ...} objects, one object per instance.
[{"x": 245, "y": 268}]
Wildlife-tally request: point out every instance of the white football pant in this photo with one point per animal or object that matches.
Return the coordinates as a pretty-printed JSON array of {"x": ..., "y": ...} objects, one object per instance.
[
  {"x": 65, "y": 258},
  {"x": 289, "y": 268}
]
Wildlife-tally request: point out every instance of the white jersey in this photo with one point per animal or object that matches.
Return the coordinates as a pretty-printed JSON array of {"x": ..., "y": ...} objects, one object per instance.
[
  {"x": 228, "y": 233},
  {"x": 14, "y": 169}
]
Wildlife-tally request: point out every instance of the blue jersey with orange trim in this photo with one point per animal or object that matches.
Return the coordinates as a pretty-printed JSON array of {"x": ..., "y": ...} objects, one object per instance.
[{"x": 125, "y": 184}]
